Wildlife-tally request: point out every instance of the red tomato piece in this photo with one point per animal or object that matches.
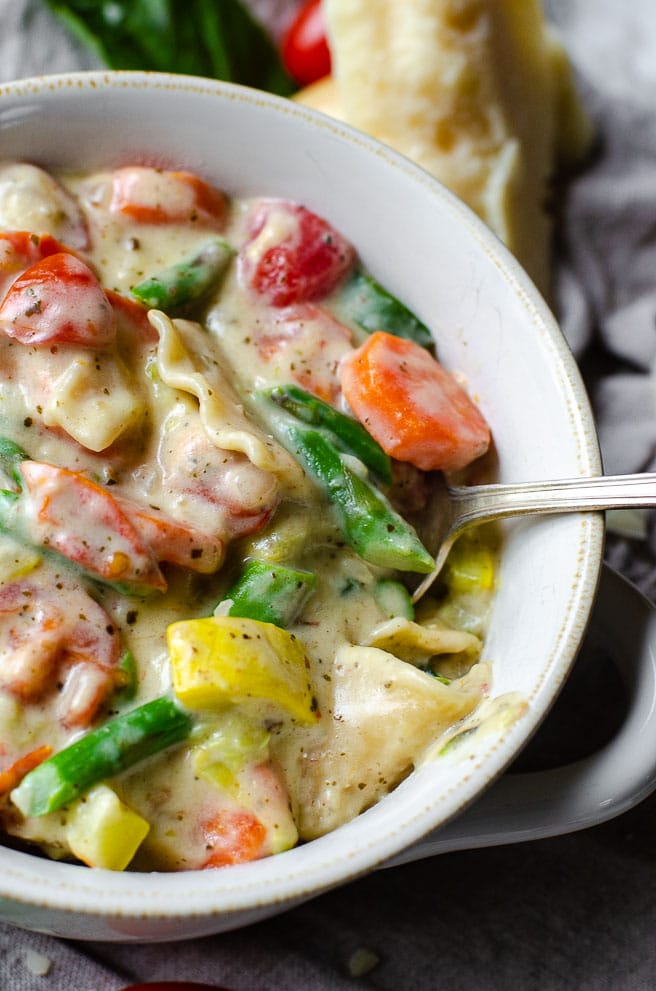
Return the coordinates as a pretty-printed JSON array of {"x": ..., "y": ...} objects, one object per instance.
[
  {"x": 58, "y": 300},
  {"x": 176, "y": 542},
  {"x": 305, "y": 52},
  {"x": 234, "y": 836},
  {"x": 241, "y": 522},
  {"x": 132, "y": 317},
  {"x": 307, "y": 345},
  {"x": 19, "y": 250},
  {"x": 155, "y": 196},
  {"x": 292, "y": 255},
  {"x": 224, "y": 491},
  {"x": 57, "y": 643},
  {"x": 84, "y": 523},
  {"x": 411, "y": 405}
]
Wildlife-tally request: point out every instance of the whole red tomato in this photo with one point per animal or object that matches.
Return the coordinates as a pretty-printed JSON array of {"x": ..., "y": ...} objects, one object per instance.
[{"x": 305, "y": 51}]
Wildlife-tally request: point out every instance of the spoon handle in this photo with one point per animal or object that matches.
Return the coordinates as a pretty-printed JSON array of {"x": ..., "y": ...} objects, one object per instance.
[
  {"x": 480, "y": 503},
  {"x": 484, "y": 503}
]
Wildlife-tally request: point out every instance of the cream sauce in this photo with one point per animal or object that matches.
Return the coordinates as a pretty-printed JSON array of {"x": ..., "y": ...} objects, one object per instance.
[{"x": 162, "y": 419}]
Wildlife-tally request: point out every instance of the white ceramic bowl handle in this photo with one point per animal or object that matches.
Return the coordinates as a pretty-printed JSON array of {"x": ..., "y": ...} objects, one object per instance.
[{"x": 527, "y": 806}]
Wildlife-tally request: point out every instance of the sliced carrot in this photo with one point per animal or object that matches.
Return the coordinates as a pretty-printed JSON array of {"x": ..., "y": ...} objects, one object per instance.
[
  {"x": 411, "y": 405},
  {"x": 58, "y": 300},
  {"x": 233, "y": 836},
  {"x": 14, "y": 774},
  {"x": 155, "y": 196}
]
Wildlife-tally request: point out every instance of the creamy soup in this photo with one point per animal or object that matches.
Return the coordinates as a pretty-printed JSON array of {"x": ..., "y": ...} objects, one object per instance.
[{"x": 219, "y": 440}]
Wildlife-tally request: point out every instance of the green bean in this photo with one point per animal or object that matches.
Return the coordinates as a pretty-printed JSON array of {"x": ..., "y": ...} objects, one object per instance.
[
  {"x": 188, "y": 281},
  {"x": 100, "y": 754},
  {"x": 369, "y": 523},
  {"x": 393, "y": 599},
  {"x": 270, "y": 593},
  {"x": 347, "y": 432},
  {"x": 11, "y": 455},
  {"x": 363, "y": 301}
]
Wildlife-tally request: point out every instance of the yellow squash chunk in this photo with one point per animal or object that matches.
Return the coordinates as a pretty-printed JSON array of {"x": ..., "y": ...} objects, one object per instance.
[
  {"x": 103, "y": 832},
  {"x": 221, "y": 660},
  {"x": 470, "y": 566}
]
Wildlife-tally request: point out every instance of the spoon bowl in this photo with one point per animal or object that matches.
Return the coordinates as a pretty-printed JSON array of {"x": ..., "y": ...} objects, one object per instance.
[{"x": 454, "y": 508}]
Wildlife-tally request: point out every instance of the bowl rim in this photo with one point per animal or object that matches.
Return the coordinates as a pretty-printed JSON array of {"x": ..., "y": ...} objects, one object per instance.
[{"x": 347, "y": 853}]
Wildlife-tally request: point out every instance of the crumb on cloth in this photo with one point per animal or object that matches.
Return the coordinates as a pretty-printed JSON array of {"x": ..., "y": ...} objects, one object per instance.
[
  {"x": 361, "y": 961},
  {"x": 37, "y": 963}
]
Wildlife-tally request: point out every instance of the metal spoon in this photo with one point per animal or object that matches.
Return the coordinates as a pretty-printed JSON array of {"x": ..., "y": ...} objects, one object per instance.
[{"x": 454, "y": 508}]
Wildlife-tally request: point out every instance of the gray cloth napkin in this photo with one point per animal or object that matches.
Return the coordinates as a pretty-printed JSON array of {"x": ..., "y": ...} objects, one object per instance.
[
  {"x": 606, "y": 260},
  {"x": 577, "y": 912}
]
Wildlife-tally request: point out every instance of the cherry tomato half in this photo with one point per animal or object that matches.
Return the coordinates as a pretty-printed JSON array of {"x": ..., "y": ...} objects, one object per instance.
[{"x": 305, "y": 51}]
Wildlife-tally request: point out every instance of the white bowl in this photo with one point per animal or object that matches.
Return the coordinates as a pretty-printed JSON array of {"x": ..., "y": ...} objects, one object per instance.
[{"x": 489, "y": 322}]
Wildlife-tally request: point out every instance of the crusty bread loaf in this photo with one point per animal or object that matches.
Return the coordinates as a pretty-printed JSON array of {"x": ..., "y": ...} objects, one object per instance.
[{"x": 478, "y": 92}]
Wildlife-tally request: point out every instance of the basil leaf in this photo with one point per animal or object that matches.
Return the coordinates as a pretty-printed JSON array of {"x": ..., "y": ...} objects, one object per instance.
[{"x": 212, "y": 38}]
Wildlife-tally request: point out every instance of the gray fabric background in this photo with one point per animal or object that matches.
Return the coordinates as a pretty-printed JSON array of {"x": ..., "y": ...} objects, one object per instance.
[{"x": 577, "y": 912}]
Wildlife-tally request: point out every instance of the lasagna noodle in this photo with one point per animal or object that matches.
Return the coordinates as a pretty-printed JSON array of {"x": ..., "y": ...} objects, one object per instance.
[
  {"x": 359, "y": 760},
  {"x": 181, "y": 364}
]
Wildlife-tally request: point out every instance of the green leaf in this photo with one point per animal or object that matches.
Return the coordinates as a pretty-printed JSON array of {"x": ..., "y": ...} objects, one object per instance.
[{"x": 212, "y": 38}]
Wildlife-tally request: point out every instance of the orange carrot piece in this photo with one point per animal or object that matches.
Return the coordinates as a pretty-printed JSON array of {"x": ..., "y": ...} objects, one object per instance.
[
  {"x": 156, "y": 196},
  {"x": 234, "y": 836},
  {"x": 411, "y": 405}
]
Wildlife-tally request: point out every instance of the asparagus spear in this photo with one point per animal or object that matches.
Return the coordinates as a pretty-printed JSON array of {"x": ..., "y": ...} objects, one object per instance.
[{"x": 100, "y": 754}]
